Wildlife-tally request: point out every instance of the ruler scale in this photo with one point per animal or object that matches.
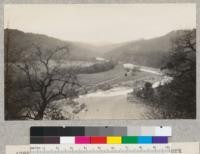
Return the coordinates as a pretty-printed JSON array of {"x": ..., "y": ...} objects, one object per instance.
[
  {"x": 96, "y": 149},
  {"x": 175, "y": 148}
]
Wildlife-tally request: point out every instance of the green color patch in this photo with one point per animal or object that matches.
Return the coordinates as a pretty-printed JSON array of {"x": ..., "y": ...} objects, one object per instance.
[{"x": 129, "y": 139}]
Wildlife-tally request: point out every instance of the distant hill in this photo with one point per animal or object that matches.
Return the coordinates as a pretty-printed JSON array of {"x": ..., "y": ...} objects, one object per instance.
[
  {"x": 19, "y": 41},
  {"x": 150, "y": 52}
]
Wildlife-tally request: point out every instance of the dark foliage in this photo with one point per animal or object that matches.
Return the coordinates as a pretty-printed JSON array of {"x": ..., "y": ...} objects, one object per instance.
[
  {"x": 97, "y": 67},
  {"x": 180, "y": 94},
  {"x": 177, "y": 99}
]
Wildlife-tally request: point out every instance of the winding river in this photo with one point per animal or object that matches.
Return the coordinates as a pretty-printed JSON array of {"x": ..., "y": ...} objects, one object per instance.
[{"x": 112, "y": 104}]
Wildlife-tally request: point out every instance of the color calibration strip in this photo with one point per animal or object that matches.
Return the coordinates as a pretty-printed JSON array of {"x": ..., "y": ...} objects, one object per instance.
[
  {"x": 100, "y": 140},
  {"x": 101, "y": 131},
  {"x": 99, "y": 135}
]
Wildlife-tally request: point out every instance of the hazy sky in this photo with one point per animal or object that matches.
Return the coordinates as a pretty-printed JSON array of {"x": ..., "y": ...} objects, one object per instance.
[{"x": 100, "y": 22}]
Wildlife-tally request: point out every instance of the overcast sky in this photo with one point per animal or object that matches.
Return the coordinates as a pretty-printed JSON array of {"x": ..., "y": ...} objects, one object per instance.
[{"x": 101, "y": 23}]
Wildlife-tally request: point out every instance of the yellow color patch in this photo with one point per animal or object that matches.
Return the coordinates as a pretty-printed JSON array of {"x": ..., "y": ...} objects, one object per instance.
[{"x": 114, "y": 140}]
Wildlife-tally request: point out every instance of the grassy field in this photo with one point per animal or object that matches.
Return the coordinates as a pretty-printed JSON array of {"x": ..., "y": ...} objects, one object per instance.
[{"x": 114, "y": 76}]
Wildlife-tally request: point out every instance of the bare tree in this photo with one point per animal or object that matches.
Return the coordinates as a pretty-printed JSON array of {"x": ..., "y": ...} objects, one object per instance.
[{"x": 45, "y": 77}]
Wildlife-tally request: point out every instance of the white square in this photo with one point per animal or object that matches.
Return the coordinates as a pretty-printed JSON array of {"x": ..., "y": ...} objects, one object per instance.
[
  {"x": 163, "y": 131},
  {"x": 67, "y": 140}
]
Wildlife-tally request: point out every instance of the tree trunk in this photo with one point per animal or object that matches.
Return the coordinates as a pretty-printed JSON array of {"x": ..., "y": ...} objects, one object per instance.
[{"x": 40, "y": 113}]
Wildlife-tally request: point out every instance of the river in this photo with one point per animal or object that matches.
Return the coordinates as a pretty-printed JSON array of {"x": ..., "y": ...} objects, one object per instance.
[{"x": 112, "y": 104}]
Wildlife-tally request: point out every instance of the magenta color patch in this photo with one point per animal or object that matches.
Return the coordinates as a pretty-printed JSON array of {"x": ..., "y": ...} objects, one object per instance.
[{"x": 82, "y": 140}]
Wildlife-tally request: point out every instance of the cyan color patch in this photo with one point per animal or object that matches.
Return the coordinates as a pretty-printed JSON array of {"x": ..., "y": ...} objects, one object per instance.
[{"x": 144, "y": 139}]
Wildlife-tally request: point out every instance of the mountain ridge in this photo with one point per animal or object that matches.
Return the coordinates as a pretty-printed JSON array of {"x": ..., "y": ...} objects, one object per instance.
[{"x": 147, "y": 52}]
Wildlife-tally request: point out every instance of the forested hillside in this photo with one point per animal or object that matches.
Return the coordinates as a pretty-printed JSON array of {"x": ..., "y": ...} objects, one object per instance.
[
  {"x": 22, "y": 45},
  {"x": 149, "y": 52}
]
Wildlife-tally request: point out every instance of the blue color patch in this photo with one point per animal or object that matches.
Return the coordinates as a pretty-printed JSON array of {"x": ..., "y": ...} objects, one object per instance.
[{"x": 144, "y": 139}]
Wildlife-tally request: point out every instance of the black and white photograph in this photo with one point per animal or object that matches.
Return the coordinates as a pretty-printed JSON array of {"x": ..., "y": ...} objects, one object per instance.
[{"x": 100, "y": 61}]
